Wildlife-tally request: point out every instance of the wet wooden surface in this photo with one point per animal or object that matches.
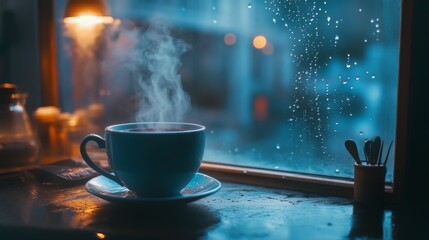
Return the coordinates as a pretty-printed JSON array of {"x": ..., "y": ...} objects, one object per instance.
[{"x": 37, "y": 209}]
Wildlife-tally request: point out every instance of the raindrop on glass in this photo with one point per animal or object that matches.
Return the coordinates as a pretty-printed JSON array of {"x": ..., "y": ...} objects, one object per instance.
[
  {"x": 360, "y": 133},
  {"x": 337, "y": 171},
  {"x": 249, "y": 5},
  {"x": 274, "y": 20},
  {"x": 278, "y": 146},
  {"x": 214, "y": 21}
]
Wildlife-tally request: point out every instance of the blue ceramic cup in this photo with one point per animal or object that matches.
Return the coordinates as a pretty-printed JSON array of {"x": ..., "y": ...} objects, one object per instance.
[{"x": 152, "y": 159}]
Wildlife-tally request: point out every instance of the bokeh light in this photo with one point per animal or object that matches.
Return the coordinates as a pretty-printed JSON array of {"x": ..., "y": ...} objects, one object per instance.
[
  {"x": 268, "y": 49},
  {"x": 229, "y": 39},
  {"x": 259, "y": 42}
]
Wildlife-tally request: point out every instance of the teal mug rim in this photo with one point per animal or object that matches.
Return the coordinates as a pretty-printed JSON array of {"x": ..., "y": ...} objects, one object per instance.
[{"x": 197, "y": 127}]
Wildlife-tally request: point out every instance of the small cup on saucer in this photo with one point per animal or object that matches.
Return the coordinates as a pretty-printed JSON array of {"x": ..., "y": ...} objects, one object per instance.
[{"x": 151, "y": 159}]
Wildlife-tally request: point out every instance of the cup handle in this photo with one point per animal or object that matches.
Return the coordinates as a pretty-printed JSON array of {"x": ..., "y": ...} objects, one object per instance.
[{"x": 101, "y": 144}]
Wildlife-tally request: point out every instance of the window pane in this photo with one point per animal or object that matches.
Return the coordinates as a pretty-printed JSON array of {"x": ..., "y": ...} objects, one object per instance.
[{"x": 279, "y": 84}]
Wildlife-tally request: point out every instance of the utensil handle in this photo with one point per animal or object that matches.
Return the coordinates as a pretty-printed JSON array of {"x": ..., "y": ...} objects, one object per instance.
[{"x": 102, "y": 145}]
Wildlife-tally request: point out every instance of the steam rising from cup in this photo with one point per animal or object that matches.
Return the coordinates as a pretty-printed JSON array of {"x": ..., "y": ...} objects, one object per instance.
[{"x": 154, "y": 64}]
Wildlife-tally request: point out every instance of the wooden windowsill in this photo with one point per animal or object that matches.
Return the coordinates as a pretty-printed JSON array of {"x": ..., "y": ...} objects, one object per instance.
[{"x": 286, "y": 180}]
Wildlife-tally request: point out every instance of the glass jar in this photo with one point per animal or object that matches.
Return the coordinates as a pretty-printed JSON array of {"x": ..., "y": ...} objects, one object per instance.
[
  {"x": 56, "y": 131},
  {"x": 18, "y": 145}
]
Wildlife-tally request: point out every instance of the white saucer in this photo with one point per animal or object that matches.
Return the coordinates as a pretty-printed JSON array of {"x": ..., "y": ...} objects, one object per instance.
[{"x": 200, "y": 186}]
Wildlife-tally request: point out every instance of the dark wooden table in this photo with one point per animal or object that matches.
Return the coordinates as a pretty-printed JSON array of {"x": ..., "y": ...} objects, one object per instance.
[{"x": 32, "y": 208}]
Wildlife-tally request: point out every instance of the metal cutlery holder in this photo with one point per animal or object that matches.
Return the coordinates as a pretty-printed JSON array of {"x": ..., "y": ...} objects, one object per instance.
[{"x": 369, "y": 182}]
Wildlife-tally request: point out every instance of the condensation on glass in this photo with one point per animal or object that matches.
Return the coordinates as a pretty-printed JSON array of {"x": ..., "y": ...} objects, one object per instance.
[{"x": 279, "y": 84}]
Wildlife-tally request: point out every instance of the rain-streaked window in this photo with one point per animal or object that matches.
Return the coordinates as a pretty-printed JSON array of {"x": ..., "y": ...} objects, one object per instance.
[{"x": 279, "y": 84}]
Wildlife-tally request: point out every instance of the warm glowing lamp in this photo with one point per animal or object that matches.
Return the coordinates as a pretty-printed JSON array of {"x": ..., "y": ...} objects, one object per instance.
[
  {"x": 85, "y": 22},
  {"x": 87, "y": 12}
]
